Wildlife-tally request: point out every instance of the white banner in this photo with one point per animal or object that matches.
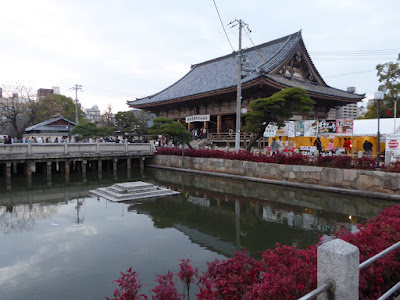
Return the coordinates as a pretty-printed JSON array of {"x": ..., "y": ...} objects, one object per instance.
[
  {"x": 198, "y": 118},
  {"x": 291, "y": 129}
]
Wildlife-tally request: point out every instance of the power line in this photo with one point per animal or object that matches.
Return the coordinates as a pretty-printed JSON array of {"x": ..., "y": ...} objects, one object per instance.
[
  {"x": 344, "y": 74},
  {"x": 223, "y": 27},
  {"x": 248, "y": 35}
]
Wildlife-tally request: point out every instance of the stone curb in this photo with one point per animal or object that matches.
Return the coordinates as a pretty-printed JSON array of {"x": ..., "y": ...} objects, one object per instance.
[{"x": 358, "y": 193}]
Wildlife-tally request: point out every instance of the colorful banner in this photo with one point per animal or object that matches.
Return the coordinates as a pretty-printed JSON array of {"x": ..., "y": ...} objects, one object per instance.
[
  {"x": 344, "y": 126},
  {"x": 311, "y": 128},
  {"x": 326, "y": 127},
  {"x": 299, "y": 128}
]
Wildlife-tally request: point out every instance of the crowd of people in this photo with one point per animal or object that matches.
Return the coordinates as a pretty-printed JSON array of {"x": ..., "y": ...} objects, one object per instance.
[{"x": 278, "y": 147}]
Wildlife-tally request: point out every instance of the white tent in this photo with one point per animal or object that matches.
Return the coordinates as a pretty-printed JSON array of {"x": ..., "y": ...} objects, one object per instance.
[{"x": 369, "y": 127}]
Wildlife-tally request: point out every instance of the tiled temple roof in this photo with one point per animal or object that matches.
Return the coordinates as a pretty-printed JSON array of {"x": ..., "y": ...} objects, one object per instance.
[
  {"x": 47, "y": 127},
  {"x": 221, "y": 73}
]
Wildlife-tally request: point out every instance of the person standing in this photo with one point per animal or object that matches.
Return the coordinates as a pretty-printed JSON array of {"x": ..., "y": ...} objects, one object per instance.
[
  {"x": 274, "y": 146},
  {"x": 331, "y": 147},
  {"x": 318, "y": 144},
  {"x": 280, "y": 144},
  {"x": 367, "y": 146},
  {"x": 347, "y": 145}
]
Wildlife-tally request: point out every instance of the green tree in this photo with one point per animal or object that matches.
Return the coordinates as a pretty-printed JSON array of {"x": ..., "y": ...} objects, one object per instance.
[
  {"x": 277, "y": 108},
  {"x": 125, "y": 120},
  {"x": 142, "y": 119},
  {"x": 90, "y": 130},
  {"x": 389, "y": 77},
  {"x": 170, "y": 129},
  {"x": 44, "y": 108}
]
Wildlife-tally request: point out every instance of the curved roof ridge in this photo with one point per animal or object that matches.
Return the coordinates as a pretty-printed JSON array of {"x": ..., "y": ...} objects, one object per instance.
[
  {"x": 175, "y": 83},
  {"x": 257, "y": 47},
  {"x": 296, "y": 35}
]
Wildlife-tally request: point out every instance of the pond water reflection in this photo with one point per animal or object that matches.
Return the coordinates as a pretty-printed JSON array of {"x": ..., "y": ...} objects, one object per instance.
[{"x": 59, "y": 243}]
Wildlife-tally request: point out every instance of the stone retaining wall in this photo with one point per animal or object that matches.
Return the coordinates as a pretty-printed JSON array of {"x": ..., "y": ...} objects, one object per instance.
[{"x": 374, "y": 181}]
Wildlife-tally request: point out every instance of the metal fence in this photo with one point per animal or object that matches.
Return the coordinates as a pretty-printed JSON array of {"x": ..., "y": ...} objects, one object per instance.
[{"x": 338, "y": 271}]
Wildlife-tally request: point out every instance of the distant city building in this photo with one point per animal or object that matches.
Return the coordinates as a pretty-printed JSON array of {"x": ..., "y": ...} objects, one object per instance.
[
  {"x": 41, "y": 93},
  {"x": 56, "y": 90},
  {"x": 349, "y": 111},
  {"x": 93, "y": 114},
  {"x": 361, "y": 111}
]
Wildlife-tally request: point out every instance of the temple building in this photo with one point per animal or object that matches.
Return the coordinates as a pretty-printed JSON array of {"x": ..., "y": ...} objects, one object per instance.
[{"x": 206, "y": 95}]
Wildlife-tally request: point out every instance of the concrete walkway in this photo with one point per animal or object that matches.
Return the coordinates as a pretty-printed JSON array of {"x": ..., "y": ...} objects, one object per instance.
[{"x": 357, "y": 193}]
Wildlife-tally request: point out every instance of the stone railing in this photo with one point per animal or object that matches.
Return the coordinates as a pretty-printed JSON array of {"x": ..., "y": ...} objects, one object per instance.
[
  {"x": 31, "y": 150},
  {"x": 350, "y": 179}
]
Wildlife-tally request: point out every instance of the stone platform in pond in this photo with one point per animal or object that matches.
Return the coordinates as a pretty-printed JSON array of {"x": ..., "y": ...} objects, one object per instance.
[{"x": 129, "y": 191}]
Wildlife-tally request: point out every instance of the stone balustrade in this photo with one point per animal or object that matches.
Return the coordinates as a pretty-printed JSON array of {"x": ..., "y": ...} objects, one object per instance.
[{"x": 32, "y": 151}]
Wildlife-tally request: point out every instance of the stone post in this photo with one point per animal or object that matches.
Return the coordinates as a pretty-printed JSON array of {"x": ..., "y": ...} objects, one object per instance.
[
  {"x": 28, "y": 168},
  {"x": 115, "y": 164},
  {"x": 48, "y": 163},
  {"x": 8, "y": 170},
  {"x": 84, "y": 166},
  {"x": 99, "y": 165},
  {"x": 15, "y": 169},
  {"x": 66, "y": 166},
  {"x": 338, "y": 262},
  {"x": 128, "y": 163},
  {"x": 29, "y": 148},
  {"x": 142, "y": 165}
]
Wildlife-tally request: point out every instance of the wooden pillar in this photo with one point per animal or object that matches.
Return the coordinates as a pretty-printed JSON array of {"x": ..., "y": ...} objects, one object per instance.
[{"x": 219, "y": 124}]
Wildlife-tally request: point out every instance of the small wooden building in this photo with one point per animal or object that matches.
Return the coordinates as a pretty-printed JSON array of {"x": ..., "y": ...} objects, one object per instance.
[
  {"x": 57, "y": 127},
  {"x": 206, "y": 96}
]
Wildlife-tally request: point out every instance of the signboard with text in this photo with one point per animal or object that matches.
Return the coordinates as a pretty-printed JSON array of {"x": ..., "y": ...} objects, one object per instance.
[{"x": 198, "y": 118}]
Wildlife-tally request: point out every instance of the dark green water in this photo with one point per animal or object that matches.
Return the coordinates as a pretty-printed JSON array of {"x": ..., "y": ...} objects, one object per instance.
[{"x": 56, "y": 242}]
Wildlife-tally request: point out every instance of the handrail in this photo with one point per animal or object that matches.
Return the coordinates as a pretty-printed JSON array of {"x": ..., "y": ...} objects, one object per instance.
[
  {"x": 322, "y": 289},
  {"x": 390, "y": 292},
  {"x": 379, "y": 255}
]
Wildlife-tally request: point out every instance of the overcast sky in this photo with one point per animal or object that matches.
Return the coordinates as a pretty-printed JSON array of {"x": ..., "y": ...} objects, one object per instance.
[{"x": 121, "y": 50}]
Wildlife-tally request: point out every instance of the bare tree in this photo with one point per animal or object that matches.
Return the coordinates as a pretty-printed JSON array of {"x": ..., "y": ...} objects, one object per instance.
[
  {"x": 14, "y": 104},
  {"x": 107, "y": 119}
]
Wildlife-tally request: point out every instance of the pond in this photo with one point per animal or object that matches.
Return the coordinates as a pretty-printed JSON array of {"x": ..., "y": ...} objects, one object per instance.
[{"x": 57, "y": 242}]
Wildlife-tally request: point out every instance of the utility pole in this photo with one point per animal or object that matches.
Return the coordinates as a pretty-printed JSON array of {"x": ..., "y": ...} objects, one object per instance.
[
  {"x": 239, "y": 88},
  {"x": 76, "y": 88}
]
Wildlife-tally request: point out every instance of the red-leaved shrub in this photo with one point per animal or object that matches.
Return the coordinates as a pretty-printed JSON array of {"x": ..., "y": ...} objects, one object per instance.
[
  {"x": 339, "y": 161},
  {"x": 283, "y": 272}
]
